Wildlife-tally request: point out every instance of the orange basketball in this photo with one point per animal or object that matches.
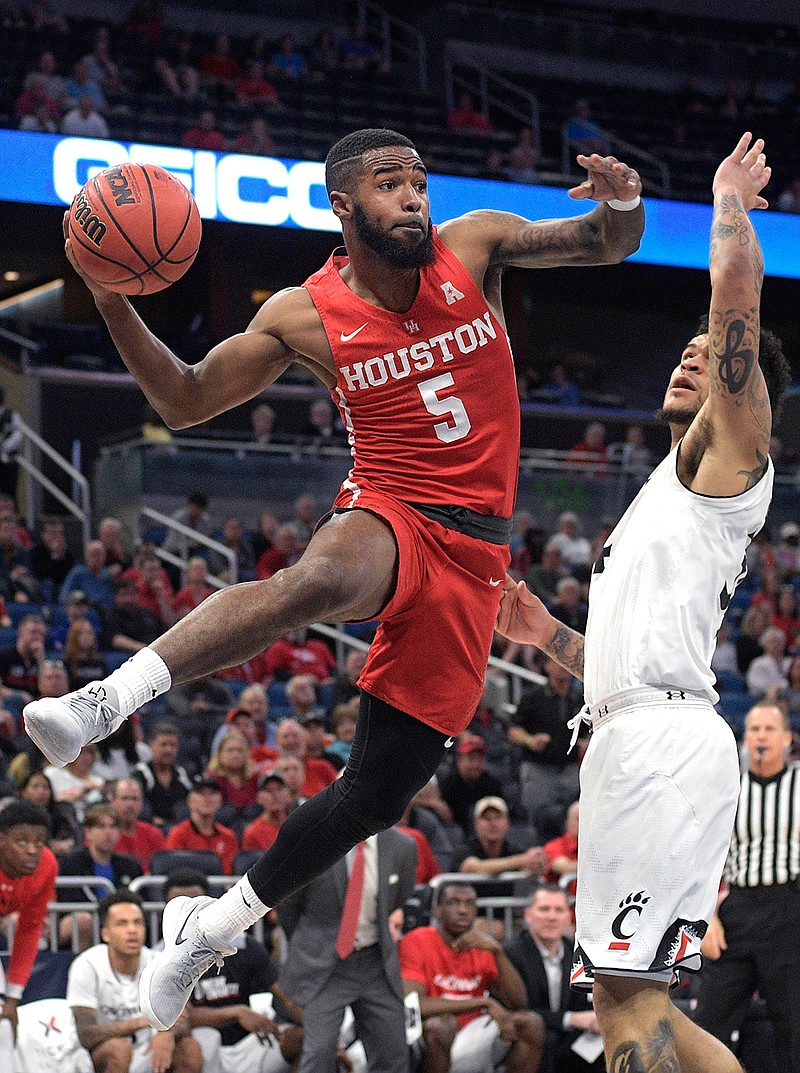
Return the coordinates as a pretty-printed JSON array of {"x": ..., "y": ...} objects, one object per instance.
[{"x": 134, "y": 228}]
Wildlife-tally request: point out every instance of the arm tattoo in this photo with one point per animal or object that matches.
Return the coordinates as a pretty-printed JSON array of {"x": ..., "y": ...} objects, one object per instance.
[
  {"x": 753, "y": 476},
  {"x": 734, "y": 361},
  {"x": 651, "y": 1055},
  {"x": 566, "y": 648},
  {"x": 730, "y": 223},
  {"x": 554, "y": 242}
]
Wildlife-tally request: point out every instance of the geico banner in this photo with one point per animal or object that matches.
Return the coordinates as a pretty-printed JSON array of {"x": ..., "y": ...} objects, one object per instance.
[{"x": 47, "y": 169}]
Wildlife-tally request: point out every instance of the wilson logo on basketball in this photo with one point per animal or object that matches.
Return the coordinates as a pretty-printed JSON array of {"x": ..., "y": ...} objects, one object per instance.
[
  {"x": 626, "y": 921},
  {"x": 120, "y": 189},
  {"x": 88, "y": 221}
]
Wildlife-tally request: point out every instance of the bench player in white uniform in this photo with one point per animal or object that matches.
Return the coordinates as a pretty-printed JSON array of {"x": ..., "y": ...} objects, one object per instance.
[{"x": 659, "y": 782}]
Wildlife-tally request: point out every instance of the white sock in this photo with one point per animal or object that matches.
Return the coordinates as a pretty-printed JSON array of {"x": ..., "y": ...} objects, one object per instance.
[
  {"x": 233, "y": 913},
  {"x": 143, "y": 677}
]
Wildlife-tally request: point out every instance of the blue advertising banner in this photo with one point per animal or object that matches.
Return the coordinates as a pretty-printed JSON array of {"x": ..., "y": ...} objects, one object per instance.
[{"x": 47, "y": 169}]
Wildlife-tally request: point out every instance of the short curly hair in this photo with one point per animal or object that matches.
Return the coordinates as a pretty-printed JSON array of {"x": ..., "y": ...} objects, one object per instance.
[
  {"x": 774, "y": 365},
  {"x": 344, "y": 162}
]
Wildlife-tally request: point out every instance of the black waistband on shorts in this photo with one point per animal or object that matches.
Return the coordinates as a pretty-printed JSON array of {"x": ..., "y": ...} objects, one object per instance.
[{"x": 488, "y": 527}]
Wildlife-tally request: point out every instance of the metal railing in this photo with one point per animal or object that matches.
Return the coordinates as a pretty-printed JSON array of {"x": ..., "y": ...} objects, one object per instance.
[
  {"x": 492, "y": 90},
  {"x": 632, "y": 154},
  {"x": 29, "y": 461},
  {"x": 195, "y": 538},
  {"x": 398, "y": 38}
]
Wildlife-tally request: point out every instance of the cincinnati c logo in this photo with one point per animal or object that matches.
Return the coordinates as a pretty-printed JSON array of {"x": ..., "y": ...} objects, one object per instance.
[{"x": 624, "y": 926}]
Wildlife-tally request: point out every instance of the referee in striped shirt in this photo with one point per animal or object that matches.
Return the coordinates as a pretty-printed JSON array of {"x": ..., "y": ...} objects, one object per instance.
[{"x": 753, "y": 941}]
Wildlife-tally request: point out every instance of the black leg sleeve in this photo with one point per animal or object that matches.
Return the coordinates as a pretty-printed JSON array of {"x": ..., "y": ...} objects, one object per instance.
[{"x": 393, "y": 756}]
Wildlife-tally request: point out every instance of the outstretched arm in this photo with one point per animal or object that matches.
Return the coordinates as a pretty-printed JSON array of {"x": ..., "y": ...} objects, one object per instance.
[
  {"x": 736, "y": 420},
  {"x": 524, "y": 618},
  {"x": 604, "y": 236}
]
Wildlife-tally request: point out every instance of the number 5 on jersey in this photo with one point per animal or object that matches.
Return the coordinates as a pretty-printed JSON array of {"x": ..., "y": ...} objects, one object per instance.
[{"x": 451, "y": 405}]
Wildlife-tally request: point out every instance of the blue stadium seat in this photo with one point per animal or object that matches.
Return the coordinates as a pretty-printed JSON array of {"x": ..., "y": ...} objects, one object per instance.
[{"x": 17, "y": 612}]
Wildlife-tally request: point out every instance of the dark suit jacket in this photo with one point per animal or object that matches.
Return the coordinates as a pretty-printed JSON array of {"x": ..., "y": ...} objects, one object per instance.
[
  {"x": 78, "y": 862},
  {"x": 524, "y": 955},
  {"x": 311, "y": 918}
]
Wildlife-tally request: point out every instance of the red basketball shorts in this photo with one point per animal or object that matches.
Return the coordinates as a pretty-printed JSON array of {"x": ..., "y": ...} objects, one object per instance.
[{"x": 430, "y": 653}]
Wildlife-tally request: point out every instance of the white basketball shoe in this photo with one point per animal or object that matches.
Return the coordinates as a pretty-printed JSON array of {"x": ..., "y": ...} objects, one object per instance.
[
  {"x": 169, "y": 979},
  {"x": 61, "y": 726}
]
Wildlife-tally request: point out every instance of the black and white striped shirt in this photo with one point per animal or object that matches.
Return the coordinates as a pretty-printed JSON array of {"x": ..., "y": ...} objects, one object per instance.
[{"x": 765, "y": 848}]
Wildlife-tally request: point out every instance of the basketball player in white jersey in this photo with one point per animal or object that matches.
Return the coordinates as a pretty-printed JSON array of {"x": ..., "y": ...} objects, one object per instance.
[{"x": 660, "y": 779}]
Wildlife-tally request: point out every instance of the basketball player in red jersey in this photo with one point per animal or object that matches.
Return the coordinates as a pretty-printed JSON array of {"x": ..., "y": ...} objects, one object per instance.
[
  {"x": 28, "y": 873},
  {"x": 405, "y": 327}
]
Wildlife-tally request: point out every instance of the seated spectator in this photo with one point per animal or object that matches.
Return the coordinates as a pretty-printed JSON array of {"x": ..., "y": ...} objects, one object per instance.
[
  {"x": 317, "y": 739},
  {"x": 293, "y": 772},
  {"x": 109, "y": 533},
  {"x": 523, "y": 160},
  {"x": 200, "y": 830},
  {"x": 5, "y": 618},
  {"x": 40, "y": 121},
  {"x": 103, "y": 992},
  {"x": 575, "y": 549},
  {"x": 632, "y": 454},
  {"x": 295, "y": 654},
  {"x": 199, "y": 707},
  {"x": 345, "y": 682},
  {"x": 92, "y": 577},
  {"x": 288, "y": 61},
  {"x": 82, "y": 656},
  {"x": 468, "y": 781},
  {"x": 724, "y": 658},
  {"x": 321, "y": 428},
  {"x": 261, "y": 539},
  {"x": 291, "y": 740},
  {"x": 306, "y": 516},
  {"x": 12, "y": 556},
  {"x": 569, "y": 606},
  {"x": 165, "y": 784},
  {"x": 47, "y": 68},
  {"x": 63, "y": 829},
  {"x": 20, "y": 663},
  {"x": 422, "y": 819},
  {"x": 325, "y": 59},
  {"x": 254, "y": 89},
  {"x": 177, "y": 70},
  {"x": 137, "y": 838},
  {"x": 75, "y": 783},
  {"x": 789, "y": 200},
  {"x": 81, "y": 84},
  {"x": 754, "y": 621},
  {"x": 275, "y": 798},
  {"x": 231, "y": 768},
  {"x": 219, "y": 72},
  {"x": 195, "y": 516},
  {"x": 96, "y": 858},
  {"x": 359, "y": 54},
  {"x": 471, "y": 997},
  {"x": 494, "y": 167},
  {"x": 119, "y": 753},
  {"x": 127, "y": 626},
  {"x": 233, "y": 538},
  {"x": 561, "y": 854},
  {"x": 490, "y": 853},
  {"x": 787, "y": 617},
  {"x": 692, "y": 100},
  {"x": 787, "y": 554},
  {"x": 302, "y": 696},
  {"x": 542, "y": 579},
  {"x": 8, "y": 506},
  {"x": 256, "y": 139},
  {"x": 262, "y": 421},
  {"x": 75, "y": 609},
  {"x": 590, "y": 454},
  {"x": 344, "y": 718},
  {"x": 768, "y": 671},
  {"x": 42, "y": 16},
  {"x": 153, "y": 588},
  {"x": 35, "y": 97},
  {"x": 204, "y": 135},
  {"x": 51, "y": 558},
  {"x": 285, "y": 551},
  {"x": 542, "y": 955},
  {"x": 254, "y": 700},
  {"x": 102, "y": 68},
  {"x": 584, "y": 133},
  {"x": 465, "y": 116},
  {"x": 195, "y": 590},
  {"x": 144, "y": 24}
]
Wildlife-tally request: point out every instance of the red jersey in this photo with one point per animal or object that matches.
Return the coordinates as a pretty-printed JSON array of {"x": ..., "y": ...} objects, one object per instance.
[
  {"x": 429, "y": 396},
  {"x": 27, "y": 896},
  {"x": 260, "y": 834},
  {"x": 427, "y": 865},
  {"x": 223, "y": 842},
  {"x": 311, "y": 657},
  {"x": 146, "y": 840},
  {"x": 427, "y": 958}
]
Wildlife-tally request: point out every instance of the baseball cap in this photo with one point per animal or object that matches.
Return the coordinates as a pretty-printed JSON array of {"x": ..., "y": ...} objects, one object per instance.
[
  {"x": 471, "y": 743},
  {"x": 77, "y": 596},
  {"x": 271, "y": 776},
  {"x": 790, "y": 529},
  {"x": 205, "y": 782},
  {"x": 490, "y": 802}
]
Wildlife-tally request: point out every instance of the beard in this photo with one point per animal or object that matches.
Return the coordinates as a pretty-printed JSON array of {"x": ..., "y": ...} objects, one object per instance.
[
  {"x": 392, "y": 250},
  {"x": 677, "y": 415}
]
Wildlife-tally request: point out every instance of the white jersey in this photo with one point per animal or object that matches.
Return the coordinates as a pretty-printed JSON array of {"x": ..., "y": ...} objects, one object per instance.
[
  {"x": 93, "y": 983},
  {"x": 661, "y": 585}
]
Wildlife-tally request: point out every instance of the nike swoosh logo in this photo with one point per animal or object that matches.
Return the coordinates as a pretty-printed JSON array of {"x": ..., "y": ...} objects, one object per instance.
[
  {"x": 178, "y": 939},
  {"x": 249, "y": 906},
  {"x": 449, "y": 742},
  {"x": 494, "y": 583},
  {"x": 346, "y": 338}
]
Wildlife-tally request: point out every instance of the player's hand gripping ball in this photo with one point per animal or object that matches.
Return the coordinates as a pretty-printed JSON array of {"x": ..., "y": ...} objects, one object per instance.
[{"x": 134, "y": 228}]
